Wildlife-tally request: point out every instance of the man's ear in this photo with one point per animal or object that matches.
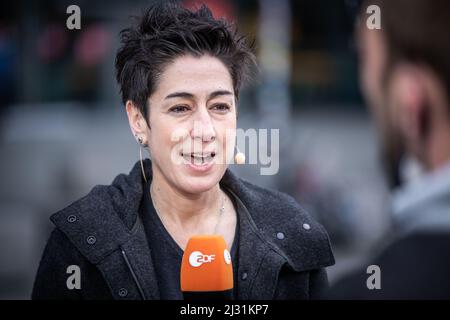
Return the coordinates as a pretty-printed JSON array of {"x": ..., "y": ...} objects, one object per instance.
[
  {"x": 138, "y": 125},
  {"x": 409, "y": 103}
]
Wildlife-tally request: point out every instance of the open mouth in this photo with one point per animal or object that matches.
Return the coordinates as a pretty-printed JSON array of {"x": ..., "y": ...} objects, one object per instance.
[{"x": 199, "y": 158}]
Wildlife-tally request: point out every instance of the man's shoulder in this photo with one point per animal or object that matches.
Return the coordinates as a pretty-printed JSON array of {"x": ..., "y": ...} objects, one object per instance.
[{"x": 412, "y": 267}]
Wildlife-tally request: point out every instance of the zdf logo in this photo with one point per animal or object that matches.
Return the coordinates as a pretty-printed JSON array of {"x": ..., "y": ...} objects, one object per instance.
[{"x": 196, "y": 258}]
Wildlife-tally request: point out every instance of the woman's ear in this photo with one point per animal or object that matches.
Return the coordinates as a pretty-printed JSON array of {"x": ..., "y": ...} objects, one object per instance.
[{"x": 138, "y": 125}]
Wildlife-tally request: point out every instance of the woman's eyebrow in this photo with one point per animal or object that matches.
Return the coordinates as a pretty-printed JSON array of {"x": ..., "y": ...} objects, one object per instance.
[
  {"x": 188, "y": 95},
  {"x": 179, "y": 95},
  {"x": 214, "y": 94}
]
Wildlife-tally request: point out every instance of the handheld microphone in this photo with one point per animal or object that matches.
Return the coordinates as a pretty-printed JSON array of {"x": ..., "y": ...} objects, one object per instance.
[{"x": 206, "y": 269}]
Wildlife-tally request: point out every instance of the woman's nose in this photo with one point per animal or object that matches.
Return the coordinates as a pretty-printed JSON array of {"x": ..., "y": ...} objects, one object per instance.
[{"x": 203, "y": 127}]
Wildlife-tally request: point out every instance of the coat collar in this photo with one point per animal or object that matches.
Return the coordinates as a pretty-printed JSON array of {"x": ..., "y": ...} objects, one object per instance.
[
  {"x": 428, "y": 193},
  {"x": 110, "y": 215}
]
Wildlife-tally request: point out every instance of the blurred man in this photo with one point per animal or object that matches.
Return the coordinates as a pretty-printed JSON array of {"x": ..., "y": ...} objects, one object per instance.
[{"x": 405, "y": 77}]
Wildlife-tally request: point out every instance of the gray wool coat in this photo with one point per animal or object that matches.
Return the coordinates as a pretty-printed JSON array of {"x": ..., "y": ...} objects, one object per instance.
[{"x": 103, "y": 235}]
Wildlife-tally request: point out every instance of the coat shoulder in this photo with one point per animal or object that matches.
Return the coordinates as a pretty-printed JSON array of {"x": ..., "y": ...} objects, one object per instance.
[
  {"x": 57, "y": 262},
  {"x": 286, "y": 225}
]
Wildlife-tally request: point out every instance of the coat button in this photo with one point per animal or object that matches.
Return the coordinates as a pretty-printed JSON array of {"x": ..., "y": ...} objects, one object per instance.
[
  {"x": 72, "y": 218},
  {"x": 91, "y": 240},
  {"x": 244, "y": 276},
  {"x": 280, "y": 235},
  {"x": 306, "y": 226},
  {"x": 123, "y": 292}
]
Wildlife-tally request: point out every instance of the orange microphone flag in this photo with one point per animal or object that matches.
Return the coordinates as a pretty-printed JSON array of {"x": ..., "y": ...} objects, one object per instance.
[{"x": 206, "y": 265}]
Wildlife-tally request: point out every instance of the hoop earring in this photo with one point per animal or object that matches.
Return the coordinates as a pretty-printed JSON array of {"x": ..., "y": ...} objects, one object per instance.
[
  {"x": 239, "y": 158},
  {"x": 142, "y": 163}
]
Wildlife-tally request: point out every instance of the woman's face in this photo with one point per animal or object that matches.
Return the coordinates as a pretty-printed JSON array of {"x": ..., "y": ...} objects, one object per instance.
[{"x": 192, "y": 115}]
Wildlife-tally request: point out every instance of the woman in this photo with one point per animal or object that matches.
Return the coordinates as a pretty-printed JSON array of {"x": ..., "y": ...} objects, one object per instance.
[{"x": 180, "y": 73}]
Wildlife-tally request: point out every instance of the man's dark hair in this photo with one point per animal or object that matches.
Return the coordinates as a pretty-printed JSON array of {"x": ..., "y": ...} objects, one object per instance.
[
  {"x": 417, "y": 31},
  {"x": 166, "y": 31}
]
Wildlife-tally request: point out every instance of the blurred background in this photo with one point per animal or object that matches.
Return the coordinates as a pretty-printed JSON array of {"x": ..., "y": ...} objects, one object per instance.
[{"x": 63, "y": 128}]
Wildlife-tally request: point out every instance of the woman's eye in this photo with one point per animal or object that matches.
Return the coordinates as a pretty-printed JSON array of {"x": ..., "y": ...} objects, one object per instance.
[
  {"x": 179, "y": 109},
  {"x": 221, "y": 107}
]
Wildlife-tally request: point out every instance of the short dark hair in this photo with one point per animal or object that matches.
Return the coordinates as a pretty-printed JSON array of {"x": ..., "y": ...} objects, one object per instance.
[
  {"x": 417, "y": 31},
  {"x": 166, "y": 31}
]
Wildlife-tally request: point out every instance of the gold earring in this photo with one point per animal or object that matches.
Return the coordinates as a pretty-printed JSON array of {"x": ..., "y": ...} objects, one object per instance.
[{"x": 239, "y": 158}]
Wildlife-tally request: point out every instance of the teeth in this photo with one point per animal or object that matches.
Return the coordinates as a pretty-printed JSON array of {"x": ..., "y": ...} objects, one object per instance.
[{"x": 199, "y": 159}]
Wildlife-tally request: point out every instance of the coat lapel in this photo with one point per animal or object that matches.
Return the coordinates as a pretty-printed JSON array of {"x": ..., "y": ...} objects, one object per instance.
[
  {"x": 139, "y": 257},
  {"x": 258, "y": 263}
]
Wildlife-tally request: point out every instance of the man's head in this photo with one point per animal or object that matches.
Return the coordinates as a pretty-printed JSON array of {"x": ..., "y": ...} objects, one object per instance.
[{"x": 405, "y": 78}]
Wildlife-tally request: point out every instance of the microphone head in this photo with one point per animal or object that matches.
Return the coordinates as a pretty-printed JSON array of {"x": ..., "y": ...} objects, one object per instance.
[{"x": 206, "y": 265}]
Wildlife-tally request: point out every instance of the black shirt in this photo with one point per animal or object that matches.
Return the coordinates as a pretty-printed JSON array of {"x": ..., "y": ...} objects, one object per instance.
[{"x": 167, "y": 254}]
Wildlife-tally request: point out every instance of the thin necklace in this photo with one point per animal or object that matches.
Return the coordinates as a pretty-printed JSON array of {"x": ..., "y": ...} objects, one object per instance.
[{"x": 221, "y": 209}]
